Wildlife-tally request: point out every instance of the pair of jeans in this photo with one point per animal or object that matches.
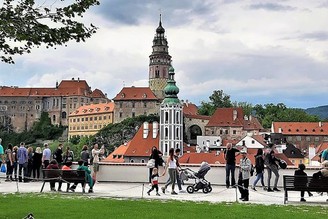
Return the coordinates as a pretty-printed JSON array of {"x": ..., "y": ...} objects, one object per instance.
[
  {"x": 230, "y": 169},
  {"x": 274, "y": 169},
  {"x": 172, "y": 174},
  {"x": 168, "y": 182},
  {"x": 24, "y": 168},
  {"x": 259, "y": 176}
]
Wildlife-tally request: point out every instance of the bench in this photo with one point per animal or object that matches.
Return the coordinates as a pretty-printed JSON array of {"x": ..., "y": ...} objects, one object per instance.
[
  {"x": 304, "y": 183},
  {"x": 63, "y": 176}
]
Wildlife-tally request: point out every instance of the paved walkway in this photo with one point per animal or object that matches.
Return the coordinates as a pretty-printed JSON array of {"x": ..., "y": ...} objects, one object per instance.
[{"x": 139, "y": 190}]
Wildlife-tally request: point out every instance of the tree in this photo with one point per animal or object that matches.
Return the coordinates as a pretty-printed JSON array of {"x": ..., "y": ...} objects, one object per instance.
[
  {"x": 24, "y": 25},
  {"x": 217, "y": 100}
]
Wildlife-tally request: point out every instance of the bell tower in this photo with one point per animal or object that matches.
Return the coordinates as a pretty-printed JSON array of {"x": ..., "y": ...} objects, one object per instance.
[{"x": 159, "y": 62}]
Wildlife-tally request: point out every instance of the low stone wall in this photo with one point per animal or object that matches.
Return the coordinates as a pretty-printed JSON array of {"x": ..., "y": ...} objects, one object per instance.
[{"x": 133, "y": 172}]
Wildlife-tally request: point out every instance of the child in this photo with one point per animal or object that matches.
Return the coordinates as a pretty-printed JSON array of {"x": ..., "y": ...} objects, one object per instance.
[
  {"x": 154, "y": 181},
  {"x": 300, "y": 172}
]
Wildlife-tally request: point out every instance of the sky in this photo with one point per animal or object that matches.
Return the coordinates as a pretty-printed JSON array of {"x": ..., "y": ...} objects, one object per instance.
[{"x": 260, "y": 52}]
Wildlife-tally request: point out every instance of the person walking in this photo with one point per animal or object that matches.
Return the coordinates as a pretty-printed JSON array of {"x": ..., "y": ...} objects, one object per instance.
[
  {"x": 154, "y": 182},
  {"x": 259, "y": 167},
  {"x": 9, "y": 162},
  {"x": 22, "y": 157},
  {"x": 244, "y": 175},
  {"x": 37, "y": 163},
  {"x": 157, "y": 156},
  {"x": 272, "y": 166},
  {"x": 171, "y": 165},
  {"x": 2, "y": 156},
  {"x": 230, "y": 157},
  {"x": 46, "y": 155},
  {"x": 168, "y": 182}
]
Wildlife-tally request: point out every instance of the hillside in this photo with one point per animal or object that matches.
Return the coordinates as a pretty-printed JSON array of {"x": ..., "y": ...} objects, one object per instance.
[{"x": 320, "y": 111}]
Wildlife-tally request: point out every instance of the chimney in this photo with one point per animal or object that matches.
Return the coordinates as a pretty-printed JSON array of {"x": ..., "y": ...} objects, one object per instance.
[
  {"x": 234, "y": 116},
  {"x": 320, "y": 124},
  {"x": 279, "y": 130},
  {"x": 145, "y": 129},
  {"x": 155, "y": 129}
]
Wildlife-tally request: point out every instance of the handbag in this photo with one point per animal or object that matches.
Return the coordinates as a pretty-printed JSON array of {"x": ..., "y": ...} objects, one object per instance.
[
  {"x": 3, "y": 168},
  {"x": 151, "y": 163}
]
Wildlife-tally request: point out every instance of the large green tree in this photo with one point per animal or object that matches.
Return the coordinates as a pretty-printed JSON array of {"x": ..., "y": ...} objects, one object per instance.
[
  {"x": 25, "y": 24},
  {"x": 217, "y": 100}
]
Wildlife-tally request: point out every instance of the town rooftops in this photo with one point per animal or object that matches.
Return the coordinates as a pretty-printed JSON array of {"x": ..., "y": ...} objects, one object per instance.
[
  {"x": 65, "y": 88},
  {"x": 300, "y": 128},
  {"x": 227, "y": 117},
  {"x": 135, "y": 93},
  {"x": 93, "y": 109}
]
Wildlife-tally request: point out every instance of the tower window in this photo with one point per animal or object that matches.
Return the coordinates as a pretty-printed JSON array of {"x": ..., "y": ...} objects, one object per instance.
[{"x": 157, "y": 74}]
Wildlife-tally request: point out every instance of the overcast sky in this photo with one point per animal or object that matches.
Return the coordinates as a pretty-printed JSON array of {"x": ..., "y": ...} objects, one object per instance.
[{"x": 255, "y": 51}]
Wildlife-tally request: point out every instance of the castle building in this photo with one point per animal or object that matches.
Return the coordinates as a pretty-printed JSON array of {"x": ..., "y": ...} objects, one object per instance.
[
  {"x": 171, "y": 118},
  {"x": 136, "y": 101},
  {"x": 21, "y": 107},
  {"x": 87, "y": 120},
  {"x": 159, "y": 63}
]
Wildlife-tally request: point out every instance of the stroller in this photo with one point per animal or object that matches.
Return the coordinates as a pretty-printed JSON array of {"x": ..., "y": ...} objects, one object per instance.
[{"x": 200, "y": 182}]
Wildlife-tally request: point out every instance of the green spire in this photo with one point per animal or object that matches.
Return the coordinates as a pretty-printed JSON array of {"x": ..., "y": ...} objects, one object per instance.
[{"x": 171, "y": 90}]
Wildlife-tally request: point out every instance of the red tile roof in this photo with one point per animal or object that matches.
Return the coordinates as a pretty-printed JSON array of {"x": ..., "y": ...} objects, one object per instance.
[
  {"x": 224, "y": 117},
  {"x": 65, "y": 88},
  {"x": 321, "y": 147},
  {"x": 301, "y": 128},
  {"x": 260, "y": 139},
  {"x": 252, "y": 124},
  {"x": 140, "y": 146},
  {"x": 197, "y": 158},
  {"x": 135, "y": 93},
  {"x": 190, "y": 109},
  {"x": 94, "y": 109},
  {"x": 117, "y": 156}
]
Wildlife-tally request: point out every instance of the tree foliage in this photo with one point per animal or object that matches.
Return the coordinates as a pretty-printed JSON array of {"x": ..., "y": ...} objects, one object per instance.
[
  {"x": 24, "y": 24},
  {"x": 217, "y": 100},
  {"x": 42, "y": 130}
]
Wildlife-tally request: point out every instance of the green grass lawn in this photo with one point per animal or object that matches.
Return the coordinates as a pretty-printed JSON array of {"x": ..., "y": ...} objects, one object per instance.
[{"x": 75, "y": 206}]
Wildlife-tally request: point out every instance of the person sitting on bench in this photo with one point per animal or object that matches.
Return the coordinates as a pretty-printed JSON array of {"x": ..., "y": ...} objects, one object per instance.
[
  {"x": 301, "y": 181},
  {"x": 88, "y": 177}
]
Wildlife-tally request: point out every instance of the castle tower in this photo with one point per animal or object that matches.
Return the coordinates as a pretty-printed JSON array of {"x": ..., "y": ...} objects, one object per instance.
[
  {"x": 171, "y": 120},
  {"x": 159, "y": 62}
]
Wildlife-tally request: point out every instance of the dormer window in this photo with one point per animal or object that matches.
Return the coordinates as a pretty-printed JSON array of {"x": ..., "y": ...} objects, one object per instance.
[
  {"x": 97, "y": 109},
  {"x": 305, "y": 130},
  {"x": 297, "y": 130},
  {"x": 144, "y": 95},
  {"x": 123, "y": 95},
  {"x": 289, "y": 130},
  {"x": 313, "y": 130}
]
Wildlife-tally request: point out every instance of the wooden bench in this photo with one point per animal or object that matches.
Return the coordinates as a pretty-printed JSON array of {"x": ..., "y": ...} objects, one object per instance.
[
  {"x": 63, "y": 176},
  {"x": 304, "y": 183}
]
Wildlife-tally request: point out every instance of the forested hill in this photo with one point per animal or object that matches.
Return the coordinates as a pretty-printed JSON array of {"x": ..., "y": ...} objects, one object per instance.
[{"x": 320, "y": 111}]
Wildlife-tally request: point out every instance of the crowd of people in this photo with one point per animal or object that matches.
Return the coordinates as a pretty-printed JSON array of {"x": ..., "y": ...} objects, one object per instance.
[{"x": 24, "y": 164}]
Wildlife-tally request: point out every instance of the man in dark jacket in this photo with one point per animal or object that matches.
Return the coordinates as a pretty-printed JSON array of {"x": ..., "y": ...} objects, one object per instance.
[
  {"x": 58, "y": 155},
  {"x": 230, "y": 157},
  {"x": 272, "y": 166}
]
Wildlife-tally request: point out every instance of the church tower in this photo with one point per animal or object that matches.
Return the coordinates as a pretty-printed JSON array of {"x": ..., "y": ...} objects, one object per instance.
[
  {"x": 171, "y": 120},
  {"x": 159, "y": 62}
]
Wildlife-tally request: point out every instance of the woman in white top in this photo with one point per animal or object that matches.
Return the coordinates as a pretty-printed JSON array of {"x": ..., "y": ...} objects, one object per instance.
[{"x": 171, "y": 164}]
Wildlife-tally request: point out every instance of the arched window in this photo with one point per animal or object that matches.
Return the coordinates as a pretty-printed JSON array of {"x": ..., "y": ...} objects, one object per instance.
[
  {"x": 178, "y": 117},
  {"x": 166, "y": 133},
  {"x": 64, "y": 114},
  {"x": 54, "y": 118},
  {"x": 177, "y": 133},
  {"x": 166, "y": 117}
]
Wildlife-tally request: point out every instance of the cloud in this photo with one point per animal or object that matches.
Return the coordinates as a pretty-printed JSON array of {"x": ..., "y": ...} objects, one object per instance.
[
  {"x": 271, "y": 7},
  {"x": 318, "y": 36}
]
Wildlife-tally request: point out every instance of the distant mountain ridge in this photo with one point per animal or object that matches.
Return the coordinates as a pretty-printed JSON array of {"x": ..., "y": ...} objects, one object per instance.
[{"x": 320, "y": 111}]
